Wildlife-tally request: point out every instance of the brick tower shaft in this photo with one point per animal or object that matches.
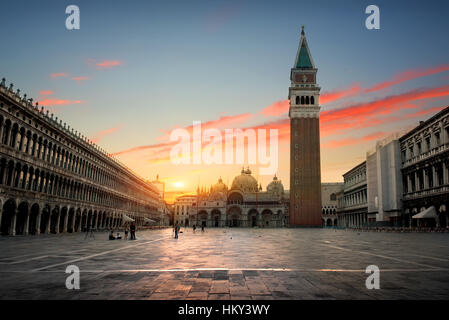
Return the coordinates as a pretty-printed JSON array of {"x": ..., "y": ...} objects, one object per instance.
[{"x": 305, "y": 168}]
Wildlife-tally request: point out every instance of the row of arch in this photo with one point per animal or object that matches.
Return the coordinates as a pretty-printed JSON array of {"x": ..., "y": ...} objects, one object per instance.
[
  {"x": 330, "y": 222},
  {"x": 234, "y": 217},
  {"x": 39, "y": 147},
  {"x": 23, "y": 218},
  {"x": 329, "y": 211},
  {"x": 25, "y": 177},
  {"x": 305, "y": 100}
]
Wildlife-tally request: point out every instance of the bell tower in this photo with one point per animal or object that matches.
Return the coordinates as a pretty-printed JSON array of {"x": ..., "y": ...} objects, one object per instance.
[{"x": 304, "y": 113}]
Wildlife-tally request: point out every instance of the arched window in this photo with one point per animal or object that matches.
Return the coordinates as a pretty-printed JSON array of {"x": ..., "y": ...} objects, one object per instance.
[
  {"x": 307, "y": 100},
  {"x": 333, "y": 197},
  {"x": 297, "y": 99},
  {"x": 302, "y": 99},
  {"x": 312, "y": 100}
]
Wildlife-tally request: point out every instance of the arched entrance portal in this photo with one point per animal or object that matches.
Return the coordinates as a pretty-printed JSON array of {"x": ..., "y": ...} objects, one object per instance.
[
  {"x": 78, "y": 220},
  {"x": 234, "y": 214},
  {"x": 252, "y": 218},
  {"x": 33, "y": 222},
  {"x": 54, "y": 219},
  {"x": 266, "y": 218},
  {"x": 216, "y": 217},
  {"x": 202, "y": 218},
  {"x": 62, "y": 219},
  {"x": 45, "y": 219},
  {"x": 8, "y": 216},
  {"x": 71, "y": 221},
  {"x": 22, "y": 216}
]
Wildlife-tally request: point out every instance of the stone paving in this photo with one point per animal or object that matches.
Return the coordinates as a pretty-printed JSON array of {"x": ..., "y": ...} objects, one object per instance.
[{"x": 227, "y": 264}]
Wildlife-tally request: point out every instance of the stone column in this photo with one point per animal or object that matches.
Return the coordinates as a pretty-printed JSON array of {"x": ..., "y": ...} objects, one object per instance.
[
  {"x": 409, "y": 183},
  {"x": 38, "y": 223},
  {"x": 435, "y": 176},
  {"x": 27, "y": 223},
  {"x": 446, "y": 173},
  {"x": 417, "y": 182},
  {"x": 427, "y": 178},
  {"x": 57, "y": 222},
  {"x": 66, "y": 221},
  {"x": 47, "y": 231},
  {"x": 13, "y": 223}
]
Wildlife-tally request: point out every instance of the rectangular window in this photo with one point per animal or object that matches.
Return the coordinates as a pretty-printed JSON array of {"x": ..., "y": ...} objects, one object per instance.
[{"x": 428, "y": 144}]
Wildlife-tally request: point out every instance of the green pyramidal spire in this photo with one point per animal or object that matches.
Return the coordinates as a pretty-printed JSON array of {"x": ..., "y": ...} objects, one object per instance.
[{"x": 303, "y": 59}]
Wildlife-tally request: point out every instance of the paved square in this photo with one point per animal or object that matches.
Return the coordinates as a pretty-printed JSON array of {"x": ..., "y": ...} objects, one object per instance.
[{"x": 227, "y": 264}]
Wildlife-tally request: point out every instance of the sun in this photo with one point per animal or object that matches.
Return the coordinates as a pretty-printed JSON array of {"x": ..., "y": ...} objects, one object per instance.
[{"x": 178, "y": 184}]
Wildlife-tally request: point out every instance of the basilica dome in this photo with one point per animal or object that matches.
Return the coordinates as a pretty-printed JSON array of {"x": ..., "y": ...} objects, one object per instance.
[
  {"x": 245, "y": 182},
  {"x": 275, "y": 187},
  {"x": 219, "y": 186}
]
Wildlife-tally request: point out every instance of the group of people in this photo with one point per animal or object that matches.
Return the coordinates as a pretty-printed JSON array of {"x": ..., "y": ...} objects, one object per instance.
[
  {"x": 177, "y": 229},
  {"x": 131, "y": 230}
]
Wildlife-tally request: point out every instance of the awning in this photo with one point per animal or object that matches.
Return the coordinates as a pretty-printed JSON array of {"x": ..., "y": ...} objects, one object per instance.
[
  {"x": 148, "y": 220},
  {"x": 127, "y": 219},
  {"x": 430, "y": 212}
]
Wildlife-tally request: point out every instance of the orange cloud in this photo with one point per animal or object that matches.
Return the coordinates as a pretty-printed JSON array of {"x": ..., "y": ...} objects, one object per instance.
[
  {"x": 281, "y": 107},
  {"x": 58, "y": 75},
  {"x": 327, "y": 97},
  {"x": 107, "y": 64},
  {"x": 46, "y": 92},
  {"x": 353, "y": 141},
  {"x": 425, "y": 112},
  {"x": 100, "y": 135},
  {"x": 384, "y": 105},
  {"x": 79, "y": 79},
  {"x": 58, "y": 102},
  {"x": 408, "y": 75},
  {"x": 277, "y": 108}
]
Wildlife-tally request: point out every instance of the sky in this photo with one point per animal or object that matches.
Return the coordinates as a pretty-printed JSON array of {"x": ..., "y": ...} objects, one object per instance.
[{"x": 136, "y": 70}]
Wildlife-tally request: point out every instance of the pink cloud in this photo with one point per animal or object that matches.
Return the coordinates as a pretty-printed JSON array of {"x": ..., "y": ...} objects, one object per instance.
[
  {"x": 100, "y": 135},
  {"x": 107, "y": 64},
  {"x": 46, "y": 92},
  {"x": 354, "y": 141},
  {"x": 58, "y": 102},
  {"x": 407, "y": 76},
  {"x": 282, "y": 107},
  {"x": 80, "y": 79},
  {"x": 58, "y": 75}
]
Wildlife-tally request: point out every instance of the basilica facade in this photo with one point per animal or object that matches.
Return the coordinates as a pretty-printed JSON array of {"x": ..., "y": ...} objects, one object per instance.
[{"x": 243, "y": 204}]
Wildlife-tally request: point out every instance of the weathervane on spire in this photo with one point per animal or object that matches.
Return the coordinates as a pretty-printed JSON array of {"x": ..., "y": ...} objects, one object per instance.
[{"x": 302, "y": 29}]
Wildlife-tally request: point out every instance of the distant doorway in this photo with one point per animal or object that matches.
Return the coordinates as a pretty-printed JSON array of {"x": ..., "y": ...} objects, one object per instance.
[{"x": 253, "y": 221}]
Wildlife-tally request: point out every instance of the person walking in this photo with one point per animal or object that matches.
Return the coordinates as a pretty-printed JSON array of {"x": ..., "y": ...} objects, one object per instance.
[
  {"x": 194, "y": 227},
  {"x": 175, "y": 230},
  {"x": 126, "y": 233},
  {"x": 202, "y": 227}
]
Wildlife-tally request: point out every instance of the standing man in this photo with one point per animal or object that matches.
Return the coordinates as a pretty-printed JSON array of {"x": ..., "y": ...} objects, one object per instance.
[
  {"x": 175, "y": 229},
  {"x": 132, "y": 229}
]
